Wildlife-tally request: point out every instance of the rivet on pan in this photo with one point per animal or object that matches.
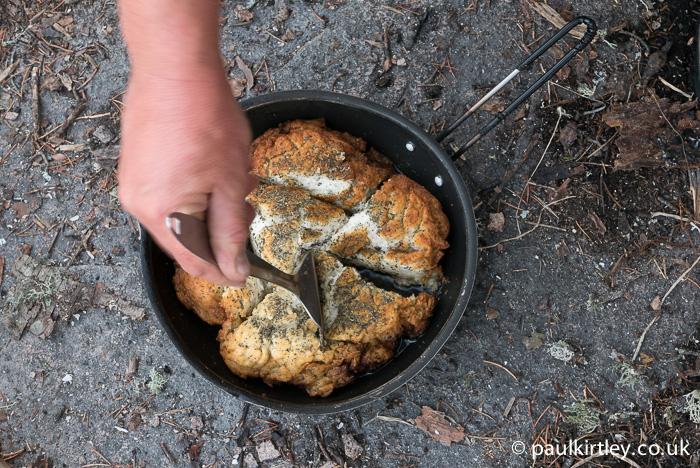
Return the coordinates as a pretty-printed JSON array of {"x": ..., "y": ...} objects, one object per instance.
[{"x": 410, "y": 146}]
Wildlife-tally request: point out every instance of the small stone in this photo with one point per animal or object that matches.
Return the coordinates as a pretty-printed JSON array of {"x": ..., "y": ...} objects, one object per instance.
[
  {"x": 267, "y": 451},
  {"x": 351, "y": 447},
  {"x": 11, "y": 116},
  {"x": 196, "y": 423},
  {"x": 154, "y": 420},
  {"x": 108, "y": 157},
  {"x": 656, "y": 303},
  {"x": 249, "y": 461},
  {"x": 103, "y": 134},
  {"x": 497, "y": 222}
]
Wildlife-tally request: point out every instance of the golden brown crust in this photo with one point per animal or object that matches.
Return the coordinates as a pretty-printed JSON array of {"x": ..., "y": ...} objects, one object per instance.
[
  {"x": 213, "y": 303},
  {"x": 364, "y": 313},
  {"x": 400, "y": 231},
  {"x": 199, "y": 295},
  {"x": 333, "y": 166},
  {"x": 280, "y": 344}
]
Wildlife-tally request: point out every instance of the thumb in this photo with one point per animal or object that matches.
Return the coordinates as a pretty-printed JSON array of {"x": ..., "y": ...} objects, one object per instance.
[{"x": 228, "y": 219}]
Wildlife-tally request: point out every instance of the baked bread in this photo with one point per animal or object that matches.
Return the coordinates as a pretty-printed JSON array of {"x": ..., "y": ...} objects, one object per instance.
[
  {"x": 324, "y": 192},
  {"x": 213, "y": 303},
  {"x": 332, "y": 166},
  {"x": 400, "y": 231},
  {"x": 289, "y": 222},
  {"x": 280, "y": 344}
]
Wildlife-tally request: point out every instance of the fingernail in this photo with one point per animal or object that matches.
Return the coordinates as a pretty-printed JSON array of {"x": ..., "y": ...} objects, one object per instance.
[{"x": 242, "y": 265}]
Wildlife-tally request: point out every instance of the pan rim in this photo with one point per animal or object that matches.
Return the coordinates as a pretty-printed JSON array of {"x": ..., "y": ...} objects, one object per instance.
[{"x": 432, "y": 348}]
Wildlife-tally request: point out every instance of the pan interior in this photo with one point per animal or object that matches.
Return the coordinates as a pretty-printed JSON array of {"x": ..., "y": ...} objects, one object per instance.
[{"x": 415, "y": 154}]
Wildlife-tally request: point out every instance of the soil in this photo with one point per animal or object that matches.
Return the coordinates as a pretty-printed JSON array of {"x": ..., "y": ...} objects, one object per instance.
[{"x": 587, "y": 300}]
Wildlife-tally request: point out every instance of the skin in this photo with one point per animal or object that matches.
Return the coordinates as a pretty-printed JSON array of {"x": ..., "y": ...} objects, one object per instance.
[{"x": 184, "y": 138}]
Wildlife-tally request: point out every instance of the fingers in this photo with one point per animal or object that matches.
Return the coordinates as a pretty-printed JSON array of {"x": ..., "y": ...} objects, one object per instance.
[
  {"x": 229, "y": 218},
  {"x": 191, "y": 263}
]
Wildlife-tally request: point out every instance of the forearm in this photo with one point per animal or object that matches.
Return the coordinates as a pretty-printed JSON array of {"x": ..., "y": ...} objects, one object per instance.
[{"x": 171, "y": 38}]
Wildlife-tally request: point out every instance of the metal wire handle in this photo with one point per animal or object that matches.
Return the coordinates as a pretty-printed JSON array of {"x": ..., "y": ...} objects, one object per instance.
[{"x": 587, "y": 38}]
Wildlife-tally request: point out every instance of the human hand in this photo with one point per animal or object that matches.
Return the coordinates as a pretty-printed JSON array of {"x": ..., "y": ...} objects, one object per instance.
[{"x": 185, "y": 148}]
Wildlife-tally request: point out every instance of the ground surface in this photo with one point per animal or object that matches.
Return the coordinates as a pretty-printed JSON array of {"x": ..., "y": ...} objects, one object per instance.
[{"x": 576, "y": 280}]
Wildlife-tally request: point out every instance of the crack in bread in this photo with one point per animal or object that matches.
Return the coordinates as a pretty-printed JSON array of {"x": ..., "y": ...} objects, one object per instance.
[
  {"x": 333, "y": 166},
  {"x": 400, "y": 231}
]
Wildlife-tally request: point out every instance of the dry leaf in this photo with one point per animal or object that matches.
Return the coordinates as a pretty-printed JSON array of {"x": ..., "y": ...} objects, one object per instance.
[
  {"x": 496, "y": 222},
  {"x": 238, "y": 86},
  {"x": 491, "y": 313},
  {"x": 242, "y": 14},
  {"x": 568, "y": 135},
  {"x": 288, "y": 35},
  {"x": 438, "y": 427},
  {"x": 246, "y": 71},
  {"x": 656, "y": 303},
  {"x": 534, "y": 341},
  {"x": 646, "y": 359},
  {"x": 494, "y": 106},
  {"x": 20, "y": 209},
  {"x": 561, "y": 192},
  {"x": 562, "y": 249},
  {"x": 599, "y": 225}
]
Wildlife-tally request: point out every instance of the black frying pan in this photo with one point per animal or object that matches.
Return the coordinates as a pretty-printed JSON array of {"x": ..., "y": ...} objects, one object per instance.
[{"x": 415, "y": 154}]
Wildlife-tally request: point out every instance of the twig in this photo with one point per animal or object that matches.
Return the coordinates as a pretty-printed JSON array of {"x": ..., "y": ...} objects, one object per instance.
[
  {"x": 600, "y": 147},
  {"x": 537, "y": 224},
  {"x": 644, "y": 334},
  {"x": 602, "y": 454},
  {"x": 71, "y": 118},
  {"x": 686, "y": 95},
  {"x": 679, "y": 218},
  {"x": 510, "y": 174},
  {"x": 36, "y": 108},
  {"x": 167, "y": 454},
  {"x": 638, "y": 39},
  {"x": 504, "y": 368},
  {"x": 556, "y": 126},
  {"x": 680, "y": 278}
]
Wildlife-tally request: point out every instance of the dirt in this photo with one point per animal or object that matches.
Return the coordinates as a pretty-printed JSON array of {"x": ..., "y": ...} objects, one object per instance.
[{"x": 567, "y": 305}]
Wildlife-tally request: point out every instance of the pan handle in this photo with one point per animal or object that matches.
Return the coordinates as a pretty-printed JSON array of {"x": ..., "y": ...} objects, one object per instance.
[{"x": 587, "y": 38}]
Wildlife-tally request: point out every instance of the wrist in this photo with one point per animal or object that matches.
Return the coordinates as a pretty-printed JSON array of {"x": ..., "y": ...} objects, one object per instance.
[{"x": 172, "y": 39}]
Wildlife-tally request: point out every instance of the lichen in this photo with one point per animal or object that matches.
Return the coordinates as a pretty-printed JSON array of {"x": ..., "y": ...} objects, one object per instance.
[
  {"x": 629, "y": 376},
  {"x": 562, "y": 351},
  {"x": 692, "y": 401},
  {"x": 593, "y": 304},
  {"x": 157, "y": 381},
  {"x": 581, "y": 414}
]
